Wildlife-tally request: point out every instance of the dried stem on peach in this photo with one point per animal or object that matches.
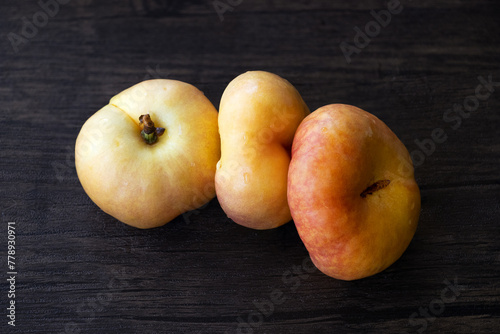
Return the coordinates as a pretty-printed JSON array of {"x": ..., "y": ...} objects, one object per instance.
[{"x": 150, "y": 133}]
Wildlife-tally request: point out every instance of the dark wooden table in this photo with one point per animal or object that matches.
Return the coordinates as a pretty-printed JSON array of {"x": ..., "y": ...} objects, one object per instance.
[{"x": 81, "y": 271}]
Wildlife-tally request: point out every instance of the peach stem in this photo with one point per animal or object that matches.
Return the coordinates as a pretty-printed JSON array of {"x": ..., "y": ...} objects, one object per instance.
[
  {"x": 149, "y": 133},
  {"x": 375, "y": 187}
]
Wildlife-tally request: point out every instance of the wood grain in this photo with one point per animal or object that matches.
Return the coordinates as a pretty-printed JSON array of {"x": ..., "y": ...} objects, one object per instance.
[{"x": 81, "y": 271}]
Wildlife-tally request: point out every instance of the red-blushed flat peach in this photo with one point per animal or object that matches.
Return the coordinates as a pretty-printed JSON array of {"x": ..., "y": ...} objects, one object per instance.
[{"x": 351, "y": 192}]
